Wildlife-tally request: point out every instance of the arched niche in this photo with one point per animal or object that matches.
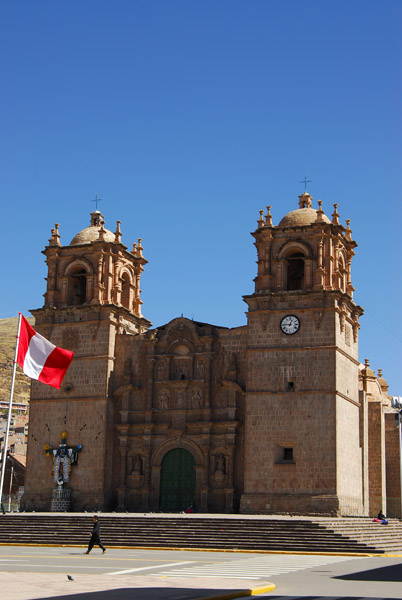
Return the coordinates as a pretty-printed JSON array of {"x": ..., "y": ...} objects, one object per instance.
[
  {"x": 126, "y": 289},
  {"x": 192, "y": 447},
  {"x": 342, "y": 273},
  {"x": 181, "y": 364},
  {"x": 296, "y": 266},
  {"x": 77, "y": 275}
]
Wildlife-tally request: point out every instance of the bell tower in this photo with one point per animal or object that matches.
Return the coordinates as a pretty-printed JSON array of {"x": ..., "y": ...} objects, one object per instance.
[
  {"x": 304, "y": 441},
  {"x": 92, "y": 296}
]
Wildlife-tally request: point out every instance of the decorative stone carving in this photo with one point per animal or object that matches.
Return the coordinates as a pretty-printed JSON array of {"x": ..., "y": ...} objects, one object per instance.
[
  {"x": 180, "y": 400},
  {"x": 220, "y": 464},
  {"x": 70, "y": 339},
  {"x": 137, "y": 465},
  {"x": 195, "y": 400},
  {"x": 180, "y": 369},
  {"x": 200, "y": 370},
  {"x": 163, "y": 400},
  {"x": 161, "y": 371}
]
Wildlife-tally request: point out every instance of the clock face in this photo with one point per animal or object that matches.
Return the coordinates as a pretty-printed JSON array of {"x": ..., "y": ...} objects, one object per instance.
[{"x": 290, "y": 324}]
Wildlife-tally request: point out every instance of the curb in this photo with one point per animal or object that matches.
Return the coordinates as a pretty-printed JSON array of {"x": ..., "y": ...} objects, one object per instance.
[{"x": 268, "y": 587}]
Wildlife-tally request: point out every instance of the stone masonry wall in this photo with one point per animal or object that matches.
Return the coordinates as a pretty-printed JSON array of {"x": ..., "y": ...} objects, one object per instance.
[
  {"x": 392, "y": 467},
  {"x": 349, "y": 459},
  {"x": 376, "y": 474},
  {"x": 85, "y": 423}
]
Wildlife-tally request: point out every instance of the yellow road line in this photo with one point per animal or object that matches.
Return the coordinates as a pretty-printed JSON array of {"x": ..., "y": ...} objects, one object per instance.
[{"x": 228, "y": 550}]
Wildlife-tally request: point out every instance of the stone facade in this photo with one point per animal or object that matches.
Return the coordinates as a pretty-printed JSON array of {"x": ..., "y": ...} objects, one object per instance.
[{"x": 276, "y": 416}]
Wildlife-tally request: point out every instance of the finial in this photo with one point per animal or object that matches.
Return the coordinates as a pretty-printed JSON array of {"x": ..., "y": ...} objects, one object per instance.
[
  {"x": 320, "y": 212},
  {"x": 261, "y": 219},
  {"x": 135, "y": 249},
  {"x": 348, "y": 230},
  {"x": 366, "y": 362},
  {"x": 139, "y": 247},
  {"x": 379, "y": 373},
  {"x": 101, "y": 230},
  {"x": 268, "y": 218},
  {"x": 55, "y": 236},
  {"x": 335, "y": 215},
  {"x": 117, "y": 234}
]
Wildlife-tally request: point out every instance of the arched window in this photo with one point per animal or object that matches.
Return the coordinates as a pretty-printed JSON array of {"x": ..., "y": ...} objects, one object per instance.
[
  {"x": 341, "y": 275},
  {"x": 295, "y": 271},
  {"x": 125, "y": 290},
  {"x": 78, "y": 287}
]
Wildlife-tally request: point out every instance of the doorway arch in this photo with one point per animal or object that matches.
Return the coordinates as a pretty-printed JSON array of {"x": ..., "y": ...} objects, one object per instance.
[{"x": 177, "y": 480}]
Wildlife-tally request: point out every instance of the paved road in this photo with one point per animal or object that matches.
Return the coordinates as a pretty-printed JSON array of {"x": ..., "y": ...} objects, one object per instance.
[
  {"x": 374, "y": 578},
  {"x": 161, "y": 562},
  {"x": 30, "y": 572}
]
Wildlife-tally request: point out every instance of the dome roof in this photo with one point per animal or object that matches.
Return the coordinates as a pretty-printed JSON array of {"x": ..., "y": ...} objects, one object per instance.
[
  {"x": 300, "y": 217},
  {"x": 91, "y": 233}
]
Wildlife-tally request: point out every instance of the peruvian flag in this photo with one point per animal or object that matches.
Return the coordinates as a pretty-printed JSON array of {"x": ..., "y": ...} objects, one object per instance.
[{"x": 39, "y": 358}]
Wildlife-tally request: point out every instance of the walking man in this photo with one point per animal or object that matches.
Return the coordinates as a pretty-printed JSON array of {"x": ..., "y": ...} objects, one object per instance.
[{"x": 95, "y": 537}]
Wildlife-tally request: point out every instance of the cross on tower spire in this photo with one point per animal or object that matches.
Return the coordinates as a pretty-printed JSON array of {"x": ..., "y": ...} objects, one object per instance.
[
  {"x": 97, "y": 199},
  {"x": 305, "y": 181}
]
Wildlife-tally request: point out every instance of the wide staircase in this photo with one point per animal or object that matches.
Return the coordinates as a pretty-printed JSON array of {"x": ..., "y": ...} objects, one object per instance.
[{"x": 345, "y": 535}]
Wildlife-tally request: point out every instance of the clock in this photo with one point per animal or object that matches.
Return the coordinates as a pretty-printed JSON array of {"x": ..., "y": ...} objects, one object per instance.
[{"x": 290, "y": 324}]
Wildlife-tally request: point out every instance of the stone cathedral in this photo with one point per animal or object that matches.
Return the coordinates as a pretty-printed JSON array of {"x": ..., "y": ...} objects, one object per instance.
[{"x": 276, "y": 416}]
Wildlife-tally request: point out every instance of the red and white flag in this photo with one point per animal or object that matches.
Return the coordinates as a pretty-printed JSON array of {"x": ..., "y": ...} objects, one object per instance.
[{"x": 39, "y": 358}]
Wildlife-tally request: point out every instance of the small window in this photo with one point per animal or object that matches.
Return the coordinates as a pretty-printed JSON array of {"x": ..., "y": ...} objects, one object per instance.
[
  {"x": 284, "y": 455},
  {"x": 290, "y": 386},
  {"x": 288, "y": 454}
]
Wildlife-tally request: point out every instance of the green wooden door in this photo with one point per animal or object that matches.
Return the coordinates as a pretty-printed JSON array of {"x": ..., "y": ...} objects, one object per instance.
[{"x": 177, "y": 489}]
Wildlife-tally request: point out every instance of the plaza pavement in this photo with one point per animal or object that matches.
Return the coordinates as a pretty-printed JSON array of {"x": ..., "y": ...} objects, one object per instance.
[{"x": 56, "y": 586}]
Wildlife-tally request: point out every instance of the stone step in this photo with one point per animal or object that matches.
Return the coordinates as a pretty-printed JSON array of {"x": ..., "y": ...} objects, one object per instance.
[{"x": 343, "y": 535}]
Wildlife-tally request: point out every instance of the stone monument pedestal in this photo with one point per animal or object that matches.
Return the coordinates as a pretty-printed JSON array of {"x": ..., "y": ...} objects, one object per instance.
[{"x": 61, "y": 500}]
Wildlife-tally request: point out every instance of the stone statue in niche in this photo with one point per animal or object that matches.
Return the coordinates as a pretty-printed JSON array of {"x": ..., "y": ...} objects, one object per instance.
[
  {"x": 180, "y": 400},
  {"x": 200, "y": 371},
  {"x": 220, "y": 464},
  {"x": 196, "y": 399},
  {"x": 161, "y": 372},
  {"x": 137, "y": 465},
  {"x": 163, "y": 400}
]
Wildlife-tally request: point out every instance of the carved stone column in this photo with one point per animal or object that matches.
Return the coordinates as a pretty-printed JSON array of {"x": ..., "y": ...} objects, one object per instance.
[
  {"x": 121, "y": 491},
  {"x": 229, "y": 500},
  {"x": 308, "y": 273},
  {"x": 155, "y": 488}
]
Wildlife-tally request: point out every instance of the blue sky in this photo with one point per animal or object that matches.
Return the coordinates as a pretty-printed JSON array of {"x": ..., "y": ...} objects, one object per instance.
[{"x": 187, "y": 117}]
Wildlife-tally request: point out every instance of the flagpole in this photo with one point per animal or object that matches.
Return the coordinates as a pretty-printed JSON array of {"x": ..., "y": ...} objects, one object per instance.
[{"x": 4, "y": 456}]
